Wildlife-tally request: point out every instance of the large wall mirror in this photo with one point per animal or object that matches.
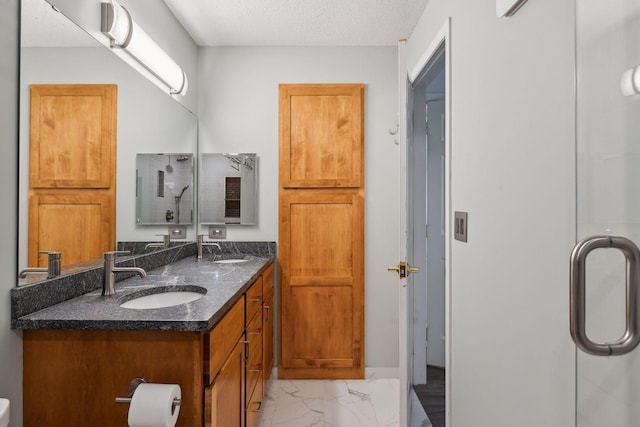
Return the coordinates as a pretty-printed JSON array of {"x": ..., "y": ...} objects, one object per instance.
[
  {"x": 55, "y": 51},
  {"x": 228, "y": 186}
]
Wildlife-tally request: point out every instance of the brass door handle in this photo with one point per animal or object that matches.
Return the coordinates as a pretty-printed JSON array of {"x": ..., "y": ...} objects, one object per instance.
[{"x": 403, "y": 269}]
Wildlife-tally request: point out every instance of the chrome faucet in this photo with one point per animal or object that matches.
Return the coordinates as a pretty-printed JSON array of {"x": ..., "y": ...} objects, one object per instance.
[
  {"x": 201, "y": 244},
  {"x": 52, "y": 269},
  {"x": 166, "y": 240},
  {"x": 109, "y": 270}
]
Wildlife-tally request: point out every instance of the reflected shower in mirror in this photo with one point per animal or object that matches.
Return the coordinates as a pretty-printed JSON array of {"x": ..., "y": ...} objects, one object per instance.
[
  {"x": 164, "y": 188},
  {"x": 228, "y": 187}
]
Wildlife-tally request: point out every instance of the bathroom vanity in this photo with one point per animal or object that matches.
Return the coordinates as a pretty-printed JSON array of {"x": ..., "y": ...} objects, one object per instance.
[{"x": 79, "y": 355}]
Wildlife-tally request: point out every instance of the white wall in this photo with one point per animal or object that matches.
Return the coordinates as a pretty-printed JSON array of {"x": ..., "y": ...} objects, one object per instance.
[
  {"x": 10, "y": 341},
  {"x": 238, "y": 112},
  {"x": 512, "y": 139}
]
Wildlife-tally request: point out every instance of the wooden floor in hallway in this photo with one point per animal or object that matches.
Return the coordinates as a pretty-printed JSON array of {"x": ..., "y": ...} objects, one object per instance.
[{"x": 432, "y": 395}]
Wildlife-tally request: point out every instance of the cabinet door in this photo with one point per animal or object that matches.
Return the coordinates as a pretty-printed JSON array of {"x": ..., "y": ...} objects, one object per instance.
[
  {"x": 321, "y": 136},
  {"x": 321, "y": 299},
  {"x": 224, "y": 399}
]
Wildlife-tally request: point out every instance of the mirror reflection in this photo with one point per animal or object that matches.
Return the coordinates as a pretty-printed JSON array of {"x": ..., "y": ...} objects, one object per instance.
[
  {"x": 164, "y": 189},
  {"x": 228, "y": 188},
  {"x": 56, "y": 52}
]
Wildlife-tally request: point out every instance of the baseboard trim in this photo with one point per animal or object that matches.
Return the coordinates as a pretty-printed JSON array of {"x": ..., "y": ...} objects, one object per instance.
[{"x": 370, "y": 373}]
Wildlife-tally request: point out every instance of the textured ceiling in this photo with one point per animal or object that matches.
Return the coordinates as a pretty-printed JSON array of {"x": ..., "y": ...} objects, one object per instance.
[
  {"x": 297, "y": 22},
  {"x": 42, "y": 26}
]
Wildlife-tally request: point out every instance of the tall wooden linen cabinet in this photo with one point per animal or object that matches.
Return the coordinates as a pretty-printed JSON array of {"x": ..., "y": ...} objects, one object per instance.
[{"x": 321, "y": 231}]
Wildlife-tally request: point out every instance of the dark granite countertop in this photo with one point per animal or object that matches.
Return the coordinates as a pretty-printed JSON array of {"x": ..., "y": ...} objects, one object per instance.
[{"x": 224, "y": 285}]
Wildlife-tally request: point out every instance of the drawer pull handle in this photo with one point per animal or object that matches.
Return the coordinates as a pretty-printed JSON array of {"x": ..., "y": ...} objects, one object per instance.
[
  {"x": 256, "y": 299},
  {"x": 256, "y": 332},
  {"x": 258, "y": 406},
  {"x": 266, "y": 307},
  {"x": 258, "y": 368},
  {"x": 246, "y": 350}
]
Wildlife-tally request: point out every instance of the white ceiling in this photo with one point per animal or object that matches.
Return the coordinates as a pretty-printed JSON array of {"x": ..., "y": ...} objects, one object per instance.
[
  {"x": 297, "y": 22},
  {"x": 42, "y": 26}
]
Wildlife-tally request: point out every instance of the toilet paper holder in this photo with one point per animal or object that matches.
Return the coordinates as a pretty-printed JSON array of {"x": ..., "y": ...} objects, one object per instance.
[{"x": 133, "y": 385}]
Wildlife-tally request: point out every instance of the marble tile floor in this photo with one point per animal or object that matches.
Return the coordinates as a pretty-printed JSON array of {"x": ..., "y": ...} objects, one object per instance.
[{"x": 331, "y": 403}]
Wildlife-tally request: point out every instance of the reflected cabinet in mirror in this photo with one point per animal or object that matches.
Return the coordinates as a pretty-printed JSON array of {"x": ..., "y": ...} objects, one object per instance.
[
  {"x": 228, "y": 188},
  {"x": 164, "y": 189},
  {"x": 57, "y": 53}
]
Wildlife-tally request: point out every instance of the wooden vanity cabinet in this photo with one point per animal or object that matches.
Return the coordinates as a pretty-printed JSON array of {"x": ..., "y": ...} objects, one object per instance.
[{"x": 72, "y": 378}]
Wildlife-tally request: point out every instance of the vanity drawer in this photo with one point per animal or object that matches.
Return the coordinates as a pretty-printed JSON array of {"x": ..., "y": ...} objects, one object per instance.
[
  {"x": 254, "y": 334},
  {"x": 224, "y": 337},
  {"x": 267, "y": 282},
  {"x": 254, "y": 405},
  {"x": 254, "y": 299}
]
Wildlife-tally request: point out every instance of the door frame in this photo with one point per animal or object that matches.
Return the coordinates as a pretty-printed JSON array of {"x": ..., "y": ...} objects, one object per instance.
[{"x": 405, "y": 78}]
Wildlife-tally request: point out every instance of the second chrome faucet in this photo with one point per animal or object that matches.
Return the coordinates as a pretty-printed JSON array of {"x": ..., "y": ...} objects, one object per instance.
[
  {"x": 109, "y": 270},
  {"x": 201, "y": 243}
]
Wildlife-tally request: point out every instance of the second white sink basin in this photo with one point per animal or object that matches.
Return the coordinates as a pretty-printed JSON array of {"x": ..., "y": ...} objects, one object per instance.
[{"x": 164, "y": 299}]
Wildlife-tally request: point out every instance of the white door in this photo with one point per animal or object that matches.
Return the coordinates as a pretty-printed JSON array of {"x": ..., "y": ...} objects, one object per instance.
[
  {"x": 608, "y": 214},
  {"x": 405, "y": 79}
]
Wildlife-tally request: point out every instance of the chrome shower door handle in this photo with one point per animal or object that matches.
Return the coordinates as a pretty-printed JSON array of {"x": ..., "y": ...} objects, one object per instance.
[{"x": 577, "y": 298}]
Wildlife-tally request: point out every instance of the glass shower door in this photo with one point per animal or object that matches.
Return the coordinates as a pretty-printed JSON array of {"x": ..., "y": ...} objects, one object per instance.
[{"x": 608, "y": 213}]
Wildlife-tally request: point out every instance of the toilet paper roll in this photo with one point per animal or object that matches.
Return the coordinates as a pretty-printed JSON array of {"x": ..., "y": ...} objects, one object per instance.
[{"x": 151, "y": 405}]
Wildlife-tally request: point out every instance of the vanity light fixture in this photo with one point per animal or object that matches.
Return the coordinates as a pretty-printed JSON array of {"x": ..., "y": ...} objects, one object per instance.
[
  {"x": 630, "y": 82},
  {"x": 124, "y": 33}
]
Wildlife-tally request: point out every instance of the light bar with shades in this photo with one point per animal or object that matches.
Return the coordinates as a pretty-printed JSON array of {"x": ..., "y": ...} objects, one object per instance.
[{"x": 119, "y": 26}]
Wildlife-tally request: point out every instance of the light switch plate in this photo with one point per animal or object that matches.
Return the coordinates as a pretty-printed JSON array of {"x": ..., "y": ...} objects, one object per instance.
[
  {"x": 506, "y": 8},
  {"x": 460, "y": 226},
  {"x": 217, "y": 232}
]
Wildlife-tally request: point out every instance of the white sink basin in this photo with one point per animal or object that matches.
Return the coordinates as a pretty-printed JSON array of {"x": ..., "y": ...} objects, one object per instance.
[
  {"x": 231, "y": 261},
  {"x": 163, "y": 299},
  {"x": 4, "y": 412}
]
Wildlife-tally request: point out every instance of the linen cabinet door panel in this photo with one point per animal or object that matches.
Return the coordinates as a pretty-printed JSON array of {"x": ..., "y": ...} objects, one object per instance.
[
  {"x": 322, "y": 284},
  {"x": 321, "y": 134},
  {"x": 225, "y": 398}
]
